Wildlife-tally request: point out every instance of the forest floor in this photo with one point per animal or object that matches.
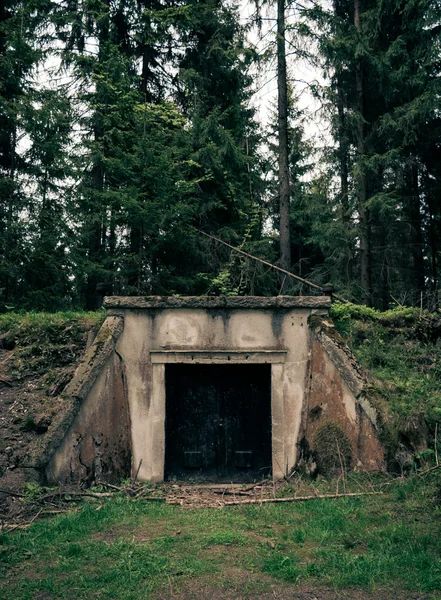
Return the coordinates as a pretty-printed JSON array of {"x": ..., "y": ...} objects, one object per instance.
[
  {"x": 169, "y": 542},
  {"x": 38, "y": 356}
]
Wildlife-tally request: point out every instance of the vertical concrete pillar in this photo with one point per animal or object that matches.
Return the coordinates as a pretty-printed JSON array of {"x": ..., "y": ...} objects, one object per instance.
[
  {"x": 277, "y": 416},
  {"x": 157, "y": 424}
]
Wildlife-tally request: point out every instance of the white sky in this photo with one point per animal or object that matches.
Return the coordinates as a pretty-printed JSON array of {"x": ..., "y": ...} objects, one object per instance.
[{"x": 300, "y": 73}]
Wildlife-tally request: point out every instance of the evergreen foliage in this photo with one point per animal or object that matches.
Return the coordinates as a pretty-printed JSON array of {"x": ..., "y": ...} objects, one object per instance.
[{"x": 125, "y": 126}]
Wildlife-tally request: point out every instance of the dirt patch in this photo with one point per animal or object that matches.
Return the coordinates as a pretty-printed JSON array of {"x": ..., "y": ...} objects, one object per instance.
[
  {"x": 240, "y": 587},
  {"x": 217, "y": 496},
  {"x": 36, "y": 363},
  {"x": 26, "y": 412}
]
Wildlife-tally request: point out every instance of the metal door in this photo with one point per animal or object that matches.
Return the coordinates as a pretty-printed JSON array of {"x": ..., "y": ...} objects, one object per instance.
[{"x": 218, "y": 422}]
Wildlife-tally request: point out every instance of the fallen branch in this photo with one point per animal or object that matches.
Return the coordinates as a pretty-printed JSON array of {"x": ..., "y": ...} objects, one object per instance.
[
  {"x": 9, "y": 493},
  {"x": 258, "y": 484},
  {"x": 92, "y": 494},
  {"x": 24, "y": 525},
  {"x": 300, "y": 498},
  {"x": 227, "y": 492},
  {"x": 151, "y": 498},
  {"x": 62, "y": 495},
  {"x": 60, "y": 511},
  {"x": 424, "y": 473},
  {"x": 137, "y": 473},
  {"x": 112, "y": 487}
]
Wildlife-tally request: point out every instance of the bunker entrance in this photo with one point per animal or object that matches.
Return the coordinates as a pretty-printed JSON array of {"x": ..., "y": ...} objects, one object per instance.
[{"x": 218, "y": 422}]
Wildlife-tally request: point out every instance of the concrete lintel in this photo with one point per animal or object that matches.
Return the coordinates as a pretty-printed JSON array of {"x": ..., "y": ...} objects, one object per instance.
[
  {"x": 219, "y": 356},
  {"x": 233, "y": 302}
]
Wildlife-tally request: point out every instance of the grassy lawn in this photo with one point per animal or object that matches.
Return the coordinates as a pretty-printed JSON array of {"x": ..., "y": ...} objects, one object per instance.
[{"x": 129, "y": 549}]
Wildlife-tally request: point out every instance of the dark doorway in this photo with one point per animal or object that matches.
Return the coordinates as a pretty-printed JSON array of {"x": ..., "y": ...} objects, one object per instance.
[{"x": 218, "y": 422}]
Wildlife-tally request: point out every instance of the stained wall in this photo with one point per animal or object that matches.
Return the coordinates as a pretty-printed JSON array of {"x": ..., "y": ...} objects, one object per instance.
[{"x": 310, "y": 374}]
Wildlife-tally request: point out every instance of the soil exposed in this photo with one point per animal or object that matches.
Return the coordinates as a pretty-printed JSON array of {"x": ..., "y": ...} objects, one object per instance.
[
  {"x": 37, "y": 361},
  {"x": 280, "y": 591}
]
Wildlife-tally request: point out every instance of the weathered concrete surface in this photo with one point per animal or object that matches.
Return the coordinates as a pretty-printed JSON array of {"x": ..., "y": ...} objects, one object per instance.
[
  {"x": 256, "y": 302},
  {"x": 116, "y": 422},
  {"x": 95, "y": 395},
  {"x": 97, "y": 446},
  {"x": 336, "y": 392},
  {"x": 96, "y": 356},
  {"x": 245, "y": 332}
]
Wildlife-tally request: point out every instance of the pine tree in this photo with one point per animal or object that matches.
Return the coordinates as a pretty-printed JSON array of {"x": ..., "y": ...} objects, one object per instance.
[
  {"x": 46, "y": 269},
  {"x": 214, "y": 91},
  {"x": 18, "y": 56},
  {"x": 384, "y": 88},
  {"x": 283, "y": 153}
]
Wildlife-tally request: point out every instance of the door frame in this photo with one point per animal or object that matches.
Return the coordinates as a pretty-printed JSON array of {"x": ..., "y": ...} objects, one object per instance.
[{"x": 252, "y": 356}]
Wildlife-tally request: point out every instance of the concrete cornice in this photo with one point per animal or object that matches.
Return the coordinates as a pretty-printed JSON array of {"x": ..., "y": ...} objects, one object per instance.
[{"x": 216, "y": 302}]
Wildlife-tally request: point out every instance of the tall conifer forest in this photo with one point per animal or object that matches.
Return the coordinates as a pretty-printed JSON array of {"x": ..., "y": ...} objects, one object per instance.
[{"x": 127, "y": 127}]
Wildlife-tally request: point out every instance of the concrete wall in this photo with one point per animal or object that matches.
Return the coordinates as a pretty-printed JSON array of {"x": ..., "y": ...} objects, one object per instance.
[
  {"x": 244, "y": 336},
  {"x": 97, "y": 446},
  {"x": 329, "y": 398},
  {"x": 125, "y": 406},
  {"x": 90, "y": 440}
]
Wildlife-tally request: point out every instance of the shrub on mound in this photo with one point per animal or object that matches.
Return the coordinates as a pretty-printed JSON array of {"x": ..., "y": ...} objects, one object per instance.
[{"x": 333, "y": 448}]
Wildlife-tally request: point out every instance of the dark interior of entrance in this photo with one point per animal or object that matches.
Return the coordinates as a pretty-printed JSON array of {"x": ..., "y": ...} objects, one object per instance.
[{"x": 218, "y": 422}]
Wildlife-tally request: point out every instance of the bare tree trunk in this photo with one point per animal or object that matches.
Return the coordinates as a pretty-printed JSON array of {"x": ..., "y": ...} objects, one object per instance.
[
  {"x": 432, "y": 234},
  {"x": 343, "y": 141},
  {"x": 136, "y": 245},
  {"x": 284, "y": 192},
  {"x": 343, "y": 146},
  {"x": 361, "y": 182},
  {"x": 96, "y": 236},
  {"x": 94, "y": 242},
  {"x": 417, "y": 231},
  {"x": 8, "y": 209}
]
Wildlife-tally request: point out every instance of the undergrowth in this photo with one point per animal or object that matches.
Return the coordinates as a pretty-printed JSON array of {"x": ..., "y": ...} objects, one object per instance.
[
  {"x": 40, "y": 341},
  {"x": 401, "y": 349}
]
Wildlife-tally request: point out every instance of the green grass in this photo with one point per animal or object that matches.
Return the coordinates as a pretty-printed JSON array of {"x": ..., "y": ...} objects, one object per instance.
[
  {"x": 41, "y": 340},
  {"x": 401, "y": 349},
  {"x": 131, "y": 549},
  {"x": 41, "y": 321}
]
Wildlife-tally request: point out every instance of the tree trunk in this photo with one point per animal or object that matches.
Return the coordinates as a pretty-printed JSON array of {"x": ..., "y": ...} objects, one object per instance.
[
  {"x": 94, "y": 245},
  {"x": 343, "y": 141},
  {"x": 432, "y": 234},
  {"x": 136, "y": 246},
  {"x": 343, "y": 147},
  {"x": 417, "y": 232},
  {"x": 284, "y": 192},
  {"x": 8, "y": 146},
  {"x": 361, "y": 182},
  {"x": 95, "y": 238}
]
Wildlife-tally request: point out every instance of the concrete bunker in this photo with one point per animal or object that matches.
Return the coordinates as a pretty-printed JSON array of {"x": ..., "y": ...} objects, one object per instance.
[{"x": 214, "y": 388}]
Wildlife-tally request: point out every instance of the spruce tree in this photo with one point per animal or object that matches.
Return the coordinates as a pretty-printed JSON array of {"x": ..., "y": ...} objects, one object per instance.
[
  {"x": 381, "y": 58},
  {"x": 19, "y": 53}
]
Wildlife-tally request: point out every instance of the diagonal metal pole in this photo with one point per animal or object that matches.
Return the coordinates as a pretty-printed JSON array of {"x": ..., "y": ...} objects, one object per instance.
[{"x": 268, "y": 264}]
